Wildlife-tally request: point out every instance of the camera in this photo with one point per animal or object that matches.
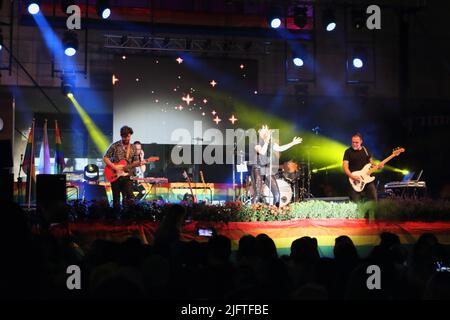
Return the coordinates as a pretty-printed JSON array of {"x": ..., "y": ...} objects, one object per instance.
[{"x": 206, "y": 232}]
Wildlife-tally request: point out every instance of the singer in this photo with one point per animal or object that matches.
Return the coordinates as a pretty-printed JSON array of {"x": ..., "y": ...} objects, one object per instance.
[{"x": 267, "y": 153}]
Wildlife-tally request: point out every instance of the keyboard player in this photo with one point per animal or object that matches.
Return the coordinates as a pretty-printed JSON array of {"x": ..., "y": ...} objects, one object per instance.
[{"x": 140, "y": 171}]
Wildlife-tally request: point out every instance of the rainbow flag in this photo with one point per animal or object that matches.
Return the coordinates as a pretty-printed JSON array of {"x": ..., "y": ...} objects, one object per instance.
[
  {"x": 44, "y": 154},
  {"x": 28, "y": 166},
  {"x": 59, "y": 157}
]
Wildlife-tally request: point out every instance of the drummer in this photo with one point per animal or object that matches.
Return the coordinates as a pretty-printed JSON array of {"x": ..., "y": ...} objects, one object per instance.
[{"x": 291, "y": 171}]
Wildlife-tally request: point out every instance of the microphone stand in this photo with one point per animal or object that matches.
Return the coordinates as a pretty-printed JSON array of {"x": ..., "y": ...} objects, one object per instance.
[
  {"x": 196, "y": 141},
  {"x": 235, "y": 145},
  {"x": 19, "y": 181},
  {"x": 234, "y": 171},
  {"x": 241, "y": 196},
  {"x": 269, "y": 153}
]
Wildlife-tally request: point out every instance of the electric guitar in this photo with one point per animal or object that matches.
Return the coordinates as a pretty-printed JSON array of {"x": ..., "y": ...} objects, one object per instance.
[
  {"x": 112, "y": 175},
  {"x": 185, "y": 175},
  {"x": 365, "y": 173}
]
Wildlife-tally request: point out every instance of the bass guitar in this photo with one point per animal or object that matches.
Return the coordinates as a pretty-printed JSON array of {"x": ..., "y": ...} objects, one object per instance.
[{"x": 364, "y": 174}]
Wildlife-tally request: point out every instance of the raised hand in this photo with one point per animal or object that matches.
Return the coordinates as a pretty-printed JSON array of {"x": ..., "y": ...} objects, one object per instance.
[{"x": 297, "y": 140}]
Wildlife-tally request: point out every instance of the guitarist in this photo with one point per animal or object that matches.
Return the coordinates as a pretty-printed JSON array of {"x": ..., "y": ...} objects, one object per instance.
[
  {"x": 355, "y": 158},
  {"x": 117, "y": 151}
]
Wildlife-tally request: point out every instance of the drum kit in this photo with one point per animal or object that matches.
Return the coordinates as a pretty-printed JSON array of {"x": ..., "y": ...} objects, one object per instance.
[{"x": 293, "y": 181}]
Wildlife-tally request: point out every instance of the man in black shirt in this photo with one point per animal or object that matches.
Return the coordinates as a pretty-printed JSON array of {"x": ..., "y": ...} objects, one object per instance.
[{"x": 355, "y": 158}]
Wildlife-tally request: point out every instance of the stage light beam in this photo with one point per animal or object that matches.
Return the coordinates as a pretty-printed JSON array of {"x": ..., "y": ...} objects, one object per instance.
[{"x": 100, "y": 140}]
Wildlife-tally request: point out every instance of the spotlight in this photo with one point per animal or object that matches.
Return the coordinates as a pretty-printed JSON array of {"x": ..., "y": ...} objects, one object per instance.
[
  {"x": 67, "y": 89},
  {"x": 275, "y": 23},
  {"x": 329, "y": 20},
  {"x": 300, "y": 17},
  {"x": 299, "y": 54},
  {"x": 358, "y": 63},
  {"x": 65, "y": 4},
  {"x": 70, "y": 43},
  {"x": 91, "y": 173},
  {"x": 298, "y": 61},
  {"x": 103, "y": 9},
  {"x": 1, "y": 40},
  {"x": 274, "y": 17},
  {"x": 33, "y": 7},
  {"x": 359, "y": 58},
  {"x": 68, "y": 85}
]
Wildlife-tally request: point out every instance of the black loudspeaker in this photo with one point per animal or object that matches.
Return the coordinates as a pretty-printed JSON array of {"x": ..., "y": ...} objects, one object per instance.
[
  {"x": 6, "y": 158},
  {"x": 6, "y": 186},
  {"x": 94, "y": 192},
  {"x": 50, "y": 190}
]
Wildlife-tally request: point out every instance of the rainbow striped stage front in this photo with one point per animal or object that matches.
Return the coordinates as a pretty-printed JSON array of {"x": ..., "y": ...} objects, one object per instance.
[{"x": 364, "y": 233}]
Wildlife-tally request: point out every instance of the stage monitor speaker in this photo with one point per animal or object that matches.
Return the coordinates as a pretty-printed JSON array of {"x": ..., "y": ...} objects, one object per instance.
[
  {"x": 6, "y": 158},
  {"x": 94, "y": 192},
  {"x": 6, "y": 186},
  {"x": 50, "y": 190}
]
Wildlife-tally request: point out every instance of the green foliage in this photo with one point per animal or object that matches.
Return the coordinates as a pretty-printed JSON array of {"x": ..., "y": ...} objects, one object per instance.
[{"x": 387, "y": 209}]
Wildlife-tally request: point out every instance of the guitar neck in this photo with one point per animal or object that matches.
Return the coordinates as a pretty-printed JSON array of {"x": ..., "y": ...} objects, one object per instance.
[
  {"x": 384, "y": 162},
  {"x": 138, "y": 163},
  {"x": 388, "y": 159}
]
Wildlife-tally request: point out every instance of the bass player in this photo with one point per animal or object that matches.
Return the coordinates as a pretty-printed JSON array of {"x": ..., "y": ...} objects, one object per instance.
[{"x": 355, "y": 158}]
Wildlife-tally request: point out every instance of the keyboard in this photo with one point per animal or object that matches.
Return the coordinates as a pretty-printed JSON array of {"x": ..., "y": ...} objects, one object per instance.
[
  {"x": 152, "y": 180},
  {"x": 405, "y": 184}
]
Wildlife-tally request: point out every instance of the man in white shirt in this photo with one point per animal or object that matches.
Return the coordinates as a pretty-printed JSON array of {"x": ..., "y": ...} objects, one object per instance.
[{"x": 140, "y": 171}]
